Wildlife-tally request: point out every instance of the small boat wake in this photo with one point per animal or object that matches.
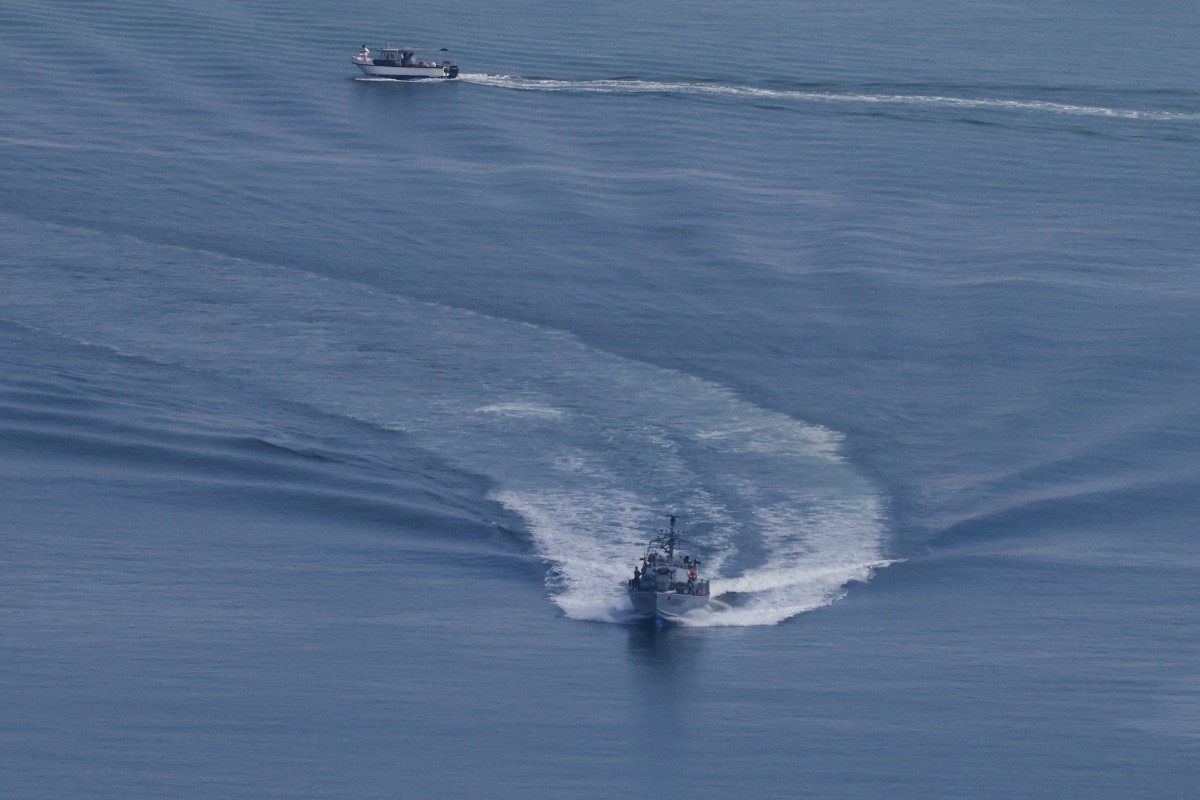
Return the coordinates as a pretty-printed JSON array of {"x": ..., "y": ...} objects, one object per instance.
[{"x": 865, "y": 98}]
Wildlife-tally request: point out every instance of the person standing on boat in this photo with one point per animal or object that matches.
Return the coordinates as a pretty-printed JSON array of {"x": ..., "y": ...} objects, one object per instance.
[{"x": 365, "y": 53}]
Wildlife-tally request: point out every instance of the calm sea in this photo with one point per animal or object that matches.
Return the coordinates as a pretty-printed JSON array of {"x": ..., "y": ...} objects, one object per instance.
[{"x": 334, "y": 411}]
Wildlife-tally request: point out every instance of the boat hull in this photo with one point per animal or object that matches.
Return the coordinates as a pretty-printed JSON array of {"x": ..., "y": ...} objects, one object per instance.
[
  {"x": 406, "y": 73},
  {"x": 666, "y": 605}
]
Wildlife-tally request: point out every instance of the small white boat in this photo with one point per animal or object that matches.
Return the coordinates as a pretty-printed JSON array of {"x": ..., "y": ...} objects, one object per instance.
[
  {"x": 666, "y": 586},
  {"x": 403, "y": 63}
]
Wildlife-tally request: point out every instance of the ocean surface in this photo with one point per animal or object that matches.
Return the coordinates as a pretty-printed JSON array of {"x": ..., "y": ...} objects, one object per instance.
[{"x": 334, "y": 412}]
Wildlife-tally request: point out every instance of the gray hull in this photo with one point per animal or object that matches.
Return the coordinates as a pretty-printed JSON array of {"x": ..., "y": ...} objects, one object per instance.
[{"x": 666, "y": 605}]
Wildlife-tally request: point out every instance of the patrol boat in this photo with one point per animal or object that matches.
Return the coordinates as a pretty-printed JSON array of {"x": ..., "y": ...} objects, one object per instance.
[
  {"x": 403, "y": 63},
  {"x": 665, "y": 585}
]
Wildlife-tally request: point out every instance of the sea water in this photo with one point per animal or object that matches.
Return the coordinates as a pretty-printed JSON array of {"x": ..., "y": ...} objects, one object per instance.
[{"x": 334, "y": 412}]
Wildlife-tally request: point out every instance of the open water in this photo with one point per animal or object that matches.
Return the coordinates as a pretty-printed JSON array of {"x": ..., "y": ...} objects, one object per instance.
[{"x": 334, "y": 412}]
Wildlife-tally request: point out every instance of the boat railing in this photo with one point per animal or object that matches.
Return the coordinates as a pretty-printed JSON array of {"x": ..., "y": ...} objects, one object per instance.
[{"x": 694, "y": 587}]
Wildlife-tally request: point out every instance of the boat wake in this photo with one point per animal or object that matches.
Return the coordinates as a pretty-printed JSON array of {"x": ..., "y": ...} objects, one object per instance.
[
  {"x": 589, "y": 448},
  {"x": 803, "y": 554},
  {"x": 635, "y": 86}
]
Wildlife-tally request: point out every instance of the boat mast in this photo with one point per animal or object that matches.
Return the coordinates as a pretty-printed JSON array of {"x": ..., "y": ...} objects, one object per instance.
[{"x": 671, "y": 539}]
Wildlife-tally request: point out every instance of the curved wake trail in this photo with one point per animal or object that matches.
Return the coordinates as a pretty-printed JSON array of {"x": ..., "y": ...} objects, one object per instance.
[
  {"x": 612, "y": 86},
  {"x": 592, "y": 450}
]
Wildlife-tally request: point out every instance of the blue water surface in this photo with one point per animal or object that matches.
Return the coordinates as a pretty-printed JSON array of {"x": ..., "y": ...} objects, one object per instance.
[{"x": 334, "y": 411}]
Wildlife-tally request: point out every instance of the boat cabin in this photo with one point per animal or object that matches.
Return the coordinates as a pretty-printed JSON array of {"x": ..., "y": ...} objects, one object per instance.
[
  {"x": 397, "y": 57},
  {"x": 668, "y": 567}
]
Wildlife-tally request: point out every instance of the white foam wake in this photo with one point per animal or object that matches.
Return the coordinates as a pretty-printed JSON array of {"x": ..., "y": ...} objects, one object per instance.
[
  {"x": 592, "y": 450},
  {"x": 795, "y": 95}
]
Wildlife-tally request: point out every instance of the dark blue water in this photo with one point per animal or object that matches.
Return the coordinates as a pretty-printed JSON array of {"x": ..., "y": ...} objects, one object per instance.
[{"x": 333, "y": 411}]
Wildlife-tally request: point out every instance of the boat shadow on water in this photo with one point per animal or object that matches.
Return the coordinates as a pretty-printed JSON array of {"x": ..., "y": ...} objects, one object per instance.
[{"x": 664, "y": 648}]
